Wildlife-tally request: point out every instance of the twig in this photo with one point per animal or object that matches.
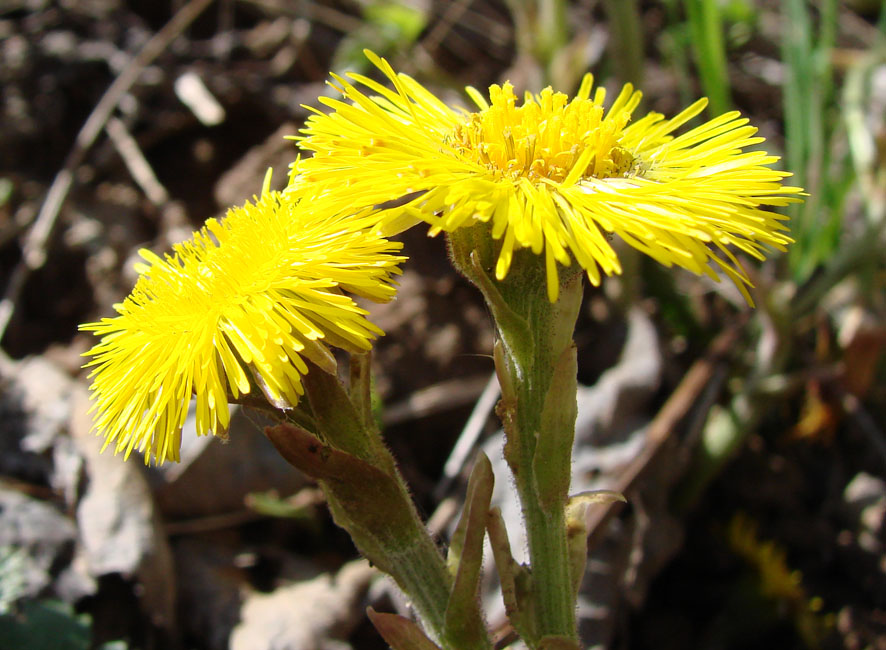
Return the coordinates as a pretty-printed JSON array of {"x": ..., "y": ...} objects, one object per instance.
[
  {"x": 443, "y": 396},
  {"x": 328, "y": 16},
  {"x": 450, "y": 17},
  {"x": 34, "y": 249},
  {"x": 135, "y": 162},
  {"x": 212, "y": 523},
  {"x": 678, "y": 406},
  {"x": 469, "y": 436}
]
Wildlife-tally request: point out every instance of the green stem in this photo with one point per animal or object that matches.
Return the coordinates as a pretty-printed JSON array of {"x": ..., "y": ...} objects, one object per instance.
[
  {"x": 539, "y": 452},
  {"x": 386, "y": 529},
  {"x": 371, "y": 504},
  {"x": 369, "y": 498},
  {"x": 423, "y": 576},
  {"x": 551, "y": 579},
  {"x": 535, "y": 362}
]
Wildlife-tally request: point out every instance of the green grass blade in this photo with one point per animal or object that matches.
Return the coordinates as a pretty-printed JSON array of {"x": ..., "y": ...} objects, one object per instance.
[
  {"x": 708, "y": 46},
  {"x": 808, "y": 101},
  {"x": 627, "y": 39}
]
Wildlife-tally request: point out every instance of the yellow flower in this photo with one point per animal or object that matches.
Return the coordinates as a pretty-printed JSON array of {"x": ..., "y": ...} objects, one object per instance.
[
  {"x": 260, "y": 291},
  {"x": 776, "y": 579},
  {"x": 552, "y": 175}
]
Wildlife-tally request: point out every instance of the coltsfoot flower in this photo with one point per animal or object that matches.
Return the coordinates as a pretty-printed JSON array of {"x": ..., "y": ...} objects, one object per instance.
[
  {"x": 554, "y": 175},
  {"x": 259, "y": 291}
]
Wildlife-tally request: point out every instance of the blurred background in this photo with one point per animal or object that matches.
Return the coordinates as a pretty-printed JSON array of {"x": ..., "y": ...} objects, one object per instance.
[{"x": 750, "y": 444}]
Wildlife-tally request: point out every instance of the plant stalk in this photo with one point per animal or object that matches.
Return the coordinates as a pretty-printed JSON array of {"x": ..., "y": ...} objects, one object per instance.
[
  {"x": 540, "y": 429},
  {"x": 368, "y": 497},
  {"x": 536, "y": 366}
]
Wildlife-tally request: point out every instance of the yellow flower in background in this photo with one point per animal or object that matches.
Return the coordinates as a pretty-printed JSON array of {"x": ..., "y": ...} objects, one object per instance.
[
  {"x": 550, "y": 174},
  {"x": 259, "y": 291}
]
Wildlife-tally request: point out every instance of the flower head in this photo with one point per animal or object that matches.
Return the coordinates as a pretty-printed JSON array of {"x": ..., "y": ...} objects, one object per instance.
[
  {"x": 550, "y": 174},
  {"x": 259, "y": 291}
]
